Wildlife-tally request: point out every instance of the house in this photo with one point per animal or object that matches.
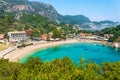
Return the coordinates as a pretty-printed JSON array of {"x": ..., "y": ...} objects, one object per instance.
[
  {"x": 2, "y": 39},
  {"x": 28, "y": 32},
  {"x": 18, "y": 37},
  {"x": 44, "y": 36},
  {"x": 85, "y": 34},
  {"x": 47, "y": 36},
  {"x": 102, "y": 39},
  {"x": 71, "y": 35},
  {"x": 1, "y": 36},
  {"x": 108, "y": 35},
  {"x": 58, "y": 28},
  {"x": 116, "y": 44}
]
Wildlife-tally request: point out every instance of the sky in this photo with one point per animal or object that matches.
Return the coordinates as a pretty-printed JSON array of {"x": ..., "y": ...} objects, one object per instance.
[{"x": 96, "y": 10}]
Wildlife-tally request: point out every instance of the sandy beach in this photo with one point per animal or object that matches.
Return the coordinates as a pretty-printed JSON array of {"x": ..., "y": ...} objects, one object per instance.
[{"x": 17, "y": 54}]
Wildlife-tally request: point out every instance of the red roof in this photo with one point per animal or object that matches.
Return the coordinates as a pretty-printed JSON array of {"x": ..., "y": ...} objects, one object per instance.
[
  {"x": 44, "y": 37},
  {"x": 28, "y": 32},
  {"x": 1, "y": 36}
]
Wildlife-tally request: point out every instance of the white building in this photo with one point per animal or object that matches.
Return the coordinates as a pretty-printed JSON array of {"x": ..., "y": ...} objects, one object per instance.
[
  {"x": 18, "y": 37},
  {"x": 116, "y": 45}
]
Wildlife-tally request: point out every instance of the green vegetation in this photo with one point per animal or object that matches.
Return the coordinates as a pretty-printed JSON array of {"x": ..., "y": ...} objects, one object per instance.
[
  {"x": 62, "y": 69},
  {"x": 6, "y": 21},
  {"x": 112, "y": 39},
  {"x": 37, "y": 23},
  {"x": 114, "y": 30},
  {"x": 118, "y": 39},
  {"x": 57, "y": 33}
]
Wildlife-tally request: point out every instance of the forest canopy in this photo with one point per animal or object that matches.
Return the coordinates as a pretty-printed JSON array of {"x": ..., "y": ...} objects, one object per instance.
[{"x": 63, "y": 69}]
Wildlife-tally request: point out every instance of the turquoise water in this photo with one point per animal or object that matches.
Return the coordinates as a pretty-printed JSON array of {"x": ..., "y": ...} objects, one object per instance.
[{"x": 89, "y": 51}]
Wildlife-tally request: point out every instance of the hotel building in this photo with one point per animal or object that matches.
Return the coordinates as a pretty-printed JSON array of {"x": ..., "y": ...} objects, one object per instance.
[{"x": 18, "y": 37}]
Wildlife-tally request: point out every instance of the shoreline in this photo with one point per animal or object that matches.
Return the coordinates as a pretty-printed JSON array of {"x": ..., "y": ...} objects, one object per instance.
[{"x": 18, "y": 54}]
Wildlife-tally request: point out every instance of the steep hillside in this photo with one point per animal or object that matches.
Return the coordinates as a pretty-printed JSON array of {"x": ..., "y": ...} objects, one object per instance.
[
  {"x": 20, "y": 7},
  {"x": 26, "y": 6},
  {"x": 105, "y": 24},
  {"x": 77, "y": 19}
]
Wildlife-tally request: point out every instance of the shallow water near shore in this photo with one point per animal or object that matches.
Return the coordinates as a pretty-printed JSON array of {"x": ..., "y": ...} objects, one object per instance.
[{"x": 94, "y": 52}]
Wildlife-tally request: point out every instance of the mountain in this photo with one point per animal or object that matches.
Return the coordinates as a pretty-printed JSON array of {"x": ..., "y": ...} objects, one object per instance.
[
  {"x": 77, "y": 19},
  {"x": 29, "y": 7},
  {"x": 47, "y": 10},
  {"x": 98, "y": 25},
  {"x": 105, "y": 24},
  {"x": 25, "y": 6}
]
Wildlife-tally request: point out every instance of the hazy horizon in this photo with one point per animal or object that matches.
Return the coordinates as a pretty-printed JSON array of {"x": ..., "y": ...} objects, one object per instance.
[{"x": 95, "y": 10}]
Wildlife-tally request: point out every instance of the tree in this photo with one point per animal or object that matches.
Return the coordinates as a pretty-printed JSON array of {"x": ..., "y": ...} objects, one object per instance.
[
  {"x": 112, "y": 39},
  {"x": 118, "y": 39},
  {"x": 35, "y": 33},
  {"x": 56, "y": 33},
  {"x": 63, "y": 69}
]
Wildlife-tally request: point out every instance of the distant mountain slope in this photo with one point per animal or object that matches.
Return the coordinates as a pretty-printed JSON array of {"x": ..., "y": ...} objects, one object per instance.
[
  {"x": 77, "y": 19},
  {"x": 98, "y": 25},
  {"x": 105, "y": 24},
  {"x": 24, "y": 6}
]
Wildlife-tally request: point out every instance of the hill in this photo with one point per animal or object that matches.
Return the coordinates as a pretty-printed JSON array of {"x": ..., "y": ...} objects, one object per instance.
[{"x": 20, "y": 7}]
